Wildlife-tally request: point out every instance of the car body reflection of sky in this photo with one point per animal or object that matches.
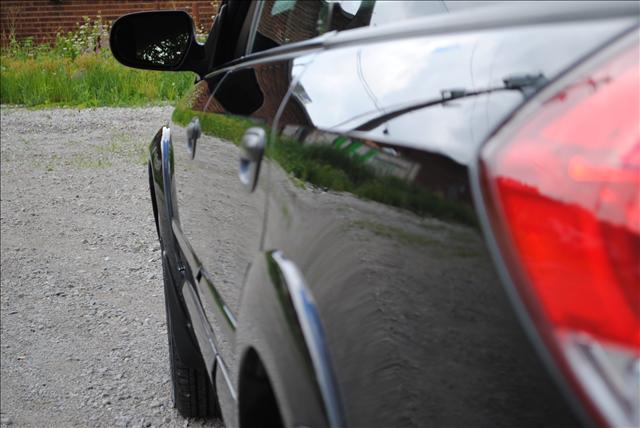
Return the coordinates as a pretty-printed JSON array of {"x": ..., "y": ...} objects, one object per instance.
[{"x": 349, "y": 86}]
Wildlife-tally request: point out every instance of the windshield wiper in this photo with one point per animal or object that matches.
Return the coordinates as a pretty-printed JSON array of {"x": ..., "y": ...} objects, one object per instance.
[{"x": 527, "y": 84}]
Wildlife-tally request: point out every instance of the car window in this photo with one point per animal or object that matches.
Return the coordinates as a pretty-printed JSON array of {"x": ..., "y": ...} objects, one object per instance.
[
  {"x": 348, "y": 14},
  {"x": 287, "y": 21}
]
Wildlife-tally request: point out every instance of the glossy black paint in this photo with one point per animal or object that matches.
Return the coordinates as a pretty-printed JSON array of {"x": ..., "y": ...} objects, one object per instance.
[{"x": 376, "y": 215}]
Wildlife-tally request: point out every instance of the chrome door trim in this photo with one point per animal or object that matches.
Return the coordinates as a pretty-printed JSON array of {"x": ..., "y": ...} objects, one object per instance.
[
  {"x": 252, "y": 31},
  {"x": 309, "y": 320},
  {"x": 195, "y": 307},
  {"x": 165, "y": 149}
]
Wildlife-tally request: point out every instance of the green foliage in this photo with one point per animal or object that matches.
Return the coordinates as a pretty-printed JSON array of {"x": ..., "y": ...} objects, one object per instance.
[
  {"x": 80, "y": 71},
  {"x": 90, "y": 36}
]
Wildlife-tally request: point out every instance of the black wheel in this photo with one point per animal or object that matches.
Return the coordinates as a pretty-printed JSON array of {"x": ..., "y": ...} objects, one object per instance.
[{"x": 192, "y": 392}]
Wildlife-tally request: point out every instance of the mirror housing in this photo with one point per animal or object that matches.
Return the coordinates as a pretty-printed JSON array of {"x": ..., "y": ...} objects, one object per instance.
[{"x": 159, "y": 40}]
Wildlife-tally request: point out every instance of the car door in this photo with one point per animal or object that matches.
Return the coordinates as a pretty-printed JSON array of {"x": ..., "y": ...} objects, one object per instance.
[
  {"x": 221, "y": 186},
  {"x": 220, "y": 223}
]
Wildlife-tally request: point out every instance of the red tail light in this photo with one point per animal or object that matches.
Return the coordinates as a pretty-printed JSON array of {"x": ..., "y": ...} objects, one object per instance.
[{"x": 562, "y": 187}]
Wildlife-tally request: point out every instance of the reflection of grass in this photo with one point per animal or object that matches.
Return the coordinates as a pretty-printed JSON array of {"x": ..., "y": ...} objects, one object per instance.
[
  {"x": 217, "y": 125},
  {"x": 330, "y": 168}
]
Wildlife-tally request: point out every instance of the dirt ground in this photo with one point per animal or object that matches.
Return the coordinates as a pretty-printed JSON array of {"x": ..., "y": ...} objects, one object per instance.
[{"x": 83, "y": 334}]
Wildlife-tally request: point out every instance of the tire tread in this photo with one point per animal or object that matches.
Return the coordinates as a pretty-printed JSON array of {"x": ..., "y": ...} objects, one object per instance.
[{"x": 194, "y": 396}]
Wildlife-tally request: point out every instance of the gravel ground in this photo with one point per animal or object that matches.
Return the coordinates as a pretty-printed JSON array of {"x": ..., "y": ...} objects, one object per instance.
[{"x": 83, "y": 334}]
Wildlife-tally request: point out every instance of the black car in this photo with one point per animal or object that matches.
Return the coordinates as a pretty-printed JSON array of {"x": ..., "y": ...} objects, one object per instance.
[{"x": 393, "y": 214}]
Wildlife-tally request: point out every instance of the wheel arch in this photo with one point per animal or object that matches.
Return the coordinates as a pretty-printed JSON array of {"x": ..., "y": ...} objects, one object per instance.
[
  {"x": 280, "y": 329},
  {"x": 257, "y": 401}
]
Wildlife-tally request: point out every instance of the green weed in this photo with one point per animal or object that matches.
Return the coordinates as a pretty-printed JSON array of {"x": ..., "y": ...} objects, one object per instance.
[
  {"x": 87, "y": 161},
  {"x": 125, "y": 147},
  {"x": 80, "y": 71}
]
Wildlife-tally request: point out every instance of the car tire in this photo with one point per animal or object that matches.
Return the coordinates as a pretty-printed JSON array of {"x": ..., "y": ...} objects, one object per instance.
[
  {"x": 192, "y": 392},
  {"x": 193, "y": 395}
]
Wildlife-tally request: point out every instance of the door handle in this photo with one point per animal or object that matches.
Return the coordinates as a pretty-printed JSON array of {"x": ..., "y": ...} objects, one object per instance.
[
  {"x": 251, "y": 152},
  {"x": 193, "y": 133}
]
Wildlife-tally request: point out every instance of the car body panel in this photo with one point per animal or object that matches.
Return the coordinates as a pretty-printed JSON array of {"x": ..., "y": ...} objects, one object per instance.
[
  {"x": 218, "y": 223},
  {"x": 379, "y": 220},
  {"x": 376, "y": 215}
]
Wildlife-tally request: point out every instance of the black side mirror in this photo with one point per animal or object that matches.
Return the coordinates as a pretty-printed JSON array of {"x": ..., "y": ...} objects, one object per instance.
[{"x": 161, "y": 40}]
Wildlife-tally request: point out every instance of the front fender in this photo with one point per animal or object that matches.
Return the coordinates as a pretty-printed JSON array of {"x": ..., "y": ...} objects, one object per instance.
[
  {"x": 279, "y": 320},
  {"x": 162, "y": 188}
]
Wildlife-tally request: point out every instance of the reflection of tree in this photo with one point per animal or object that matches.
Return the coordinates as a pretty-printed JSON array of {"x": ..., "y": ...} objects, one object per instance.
[{"x": 168, "y": 51}]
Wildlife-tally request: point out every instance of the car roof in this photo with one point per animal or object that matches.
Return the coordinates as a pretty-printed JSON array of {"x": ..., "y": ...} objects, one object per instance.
[{"x": 502, "y": 14}]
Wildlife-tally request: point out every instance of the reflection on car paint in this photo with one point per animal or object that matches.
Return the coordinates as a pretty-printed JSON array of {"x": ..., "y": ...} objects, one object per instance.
[
  {"x": 380, "y": 221},
  {"x": 384, "y": 211}
]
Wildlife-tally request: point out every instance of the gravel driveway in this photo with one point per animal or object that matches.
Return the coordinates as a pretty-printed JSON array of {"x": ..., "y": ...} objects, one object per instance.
[{"x": 83, "y": 334}]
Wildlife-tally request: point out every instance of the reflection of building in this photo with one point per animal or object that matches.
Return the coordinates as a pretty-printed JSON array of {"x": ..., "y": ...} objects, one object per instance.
[
  {"x": 300, "y": 93},
  {"x": 258, "y": 91},
  {"x": 382, "y": 161},
  {"x": 255, "y": 92},
  {"x": 198, "y": 96},
  {"x": 440, "y": 174},
  {"x": 287, "y": 22},
  {"x": 395, "y": 166}
]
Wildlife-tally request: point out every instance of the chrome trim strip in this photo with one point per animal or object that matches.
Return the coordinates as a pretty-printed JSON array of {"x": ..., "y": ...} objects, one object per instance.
[
  {"x": 309, "y": 319},
  {"x": 165, "y": 149},
  {"x": 227, "y": 378},
  {"x": 193, "y": 262},
  {"x": 230, "y": 316},
  {"x": 254, "y": 28},
  {"x": 227, "y": 313},
  {"x": 194, "y": 306},
  {"x": 199, "y": 327}
]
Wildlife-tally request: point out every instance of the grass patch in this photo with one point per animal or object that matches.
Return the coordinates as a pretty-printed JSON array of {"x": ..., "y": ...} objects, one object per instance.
[
  {"x": 78, "y": 71},
  {"x": 88, "y": 161},
  {"x": 120, "y": 150},
  {"x": 88, "y": 80},
  {"x": 126, "y": 147}
]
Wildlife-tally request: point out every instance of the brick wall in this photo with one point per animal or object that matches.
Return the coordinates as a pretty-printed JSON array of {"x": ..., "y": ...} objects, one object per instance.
[{"x": 42, "y": 19}]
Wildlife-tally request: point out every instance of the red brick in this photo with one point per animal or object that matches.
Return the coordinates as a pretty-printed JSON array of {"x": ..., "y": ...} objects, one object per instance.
[{"x": 42, "y": 19}]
